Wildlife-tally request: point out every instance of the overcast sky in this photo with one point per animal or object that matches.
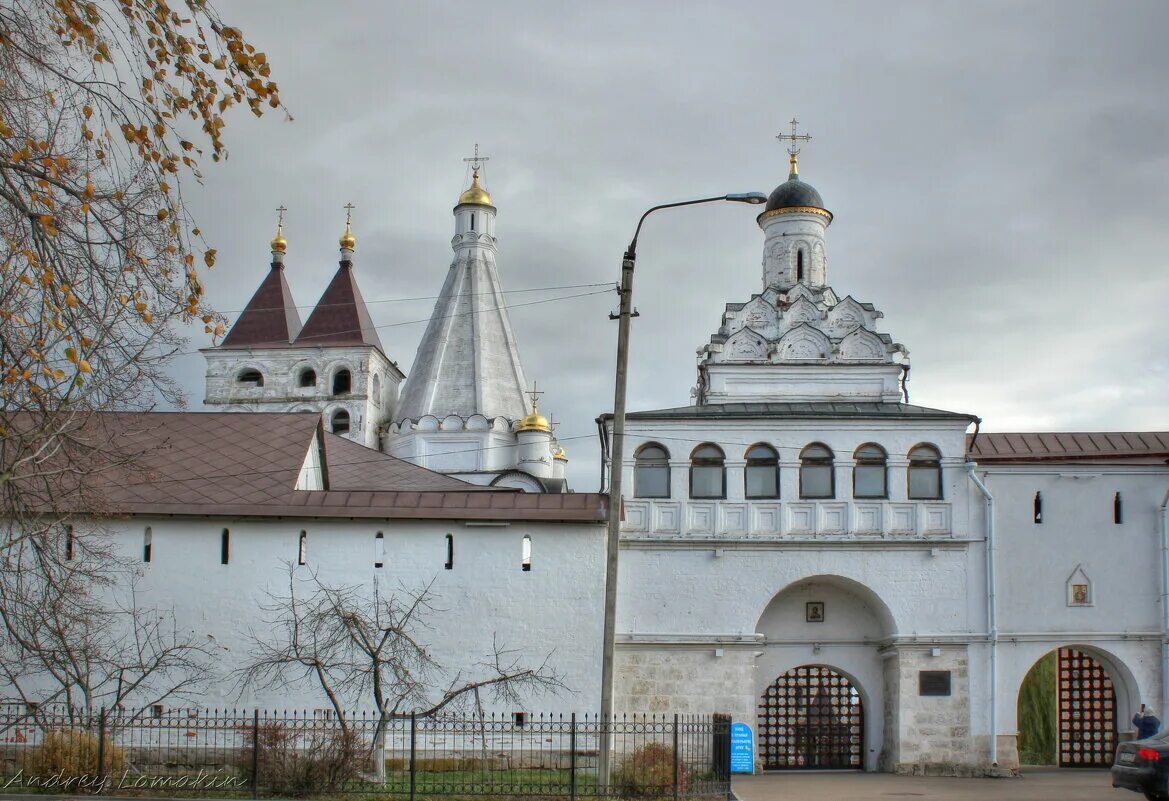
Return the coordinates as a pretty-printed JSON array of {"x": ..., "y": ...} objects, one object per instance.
[{"x": 999, "y": 176}]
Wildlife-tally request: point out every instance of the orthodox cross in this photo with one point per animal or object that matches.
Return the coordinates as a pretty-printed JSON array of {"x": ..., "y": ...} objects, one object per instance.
[
  {"x": 349, "y": 207},
  {"x": 794, "y": 137},
  {"x": 792, "y": 150},
  {"x": 476, "y": 161},
  {"x": 534, "y": 395},
  {"x": 280, "y": 219}
]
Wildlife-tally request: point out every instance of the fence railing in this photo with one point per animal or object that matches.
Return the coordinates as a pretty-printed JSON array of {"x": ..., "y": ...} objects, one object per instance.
[{"x": 297, "y": 754}]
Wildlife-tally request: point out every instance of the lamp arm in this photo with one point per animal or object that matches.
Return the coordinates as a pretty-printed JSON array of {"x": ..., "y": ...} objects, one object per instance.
[{"x": 631, "y": 251}]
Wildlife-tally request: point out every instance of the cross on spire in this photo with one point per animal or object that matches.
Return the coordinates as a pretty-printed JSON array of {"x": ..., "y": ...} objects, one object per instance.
[
  {"x": 476, "y": 161},
  {"x": 280, "y": 219},
  {"x": 349, "y": 207},
  {"x": 534, "y": 395},
  {"x": 793, "y": 151}
]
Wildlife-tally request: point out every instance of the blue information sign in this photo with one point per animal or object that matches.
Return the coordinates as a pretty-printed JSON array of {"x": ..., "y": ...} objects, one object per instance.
[{"x": 742, "y": 749}]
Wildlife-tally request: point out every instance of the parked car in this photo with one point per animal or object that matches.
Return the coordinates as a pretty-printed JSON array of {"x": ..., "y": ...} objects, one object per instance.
[{"x": 1143, "y": 767}]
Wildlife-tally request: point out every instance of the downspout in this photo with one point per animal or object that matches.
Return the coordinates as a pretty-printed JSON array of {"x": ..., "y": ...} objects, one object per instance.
[
  {"x": 991, "y": 613},
  {"x": 1164, "y": 519}
]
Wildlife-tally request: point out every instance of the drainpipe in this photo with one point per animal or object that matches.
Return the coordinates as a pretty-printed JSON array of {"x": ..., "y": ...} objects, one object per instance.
[
  {"x": 992, "y": 613},
  {"x": 1164, "y": 519}
]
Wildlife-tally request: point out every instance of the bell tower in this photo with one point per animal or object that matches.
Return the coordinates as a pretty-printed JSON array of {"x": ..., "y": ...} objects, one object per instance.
[{"x": 794, "y": 224}]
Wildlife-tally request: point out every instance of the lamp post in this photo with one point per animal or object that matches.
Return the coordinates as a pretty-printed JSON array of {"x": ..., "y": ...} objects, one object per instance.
[{"x": 616, "y": 457}]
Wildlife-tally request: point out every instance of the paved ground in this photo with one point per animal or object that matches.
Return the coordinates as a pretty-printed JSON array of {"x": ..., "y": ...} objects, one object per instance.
[{"x": 1033, "y": 785}]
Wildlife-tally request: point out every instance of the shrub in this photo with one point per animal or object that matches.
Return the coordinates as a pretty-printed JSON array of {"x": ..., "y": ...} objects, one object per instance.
[
  {"x": 649, "y": 773},
  {"x": 72, "y": 753},
  {"x": 302, "y": 762}
]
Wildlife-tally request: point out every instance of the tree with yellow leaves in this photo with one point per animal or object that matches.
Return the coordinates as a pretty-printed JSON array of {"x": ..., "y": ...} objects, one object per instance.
[{"x": 106, "y": 108}]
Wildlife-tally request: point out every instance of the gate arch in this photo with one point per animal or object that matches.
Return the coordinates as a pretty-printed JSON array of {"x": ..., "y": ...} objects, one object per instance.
[{"x": 811, "y": 717}]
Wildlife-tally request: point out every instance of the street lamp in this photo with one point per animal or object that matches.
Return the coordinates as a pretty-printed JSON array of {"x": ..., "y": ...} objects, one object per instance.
[{"x": 615, "y": 465}]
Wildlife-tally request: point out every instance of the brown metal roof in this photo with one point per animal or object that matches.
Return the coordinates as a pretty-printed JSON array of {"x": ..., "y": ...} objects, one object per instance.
[
  {"x": 340, "y": 316},
  {"x": 1094, "y": 447},
  {"x": 247, "y": 464},
  {"x": 270, "y": 319}
]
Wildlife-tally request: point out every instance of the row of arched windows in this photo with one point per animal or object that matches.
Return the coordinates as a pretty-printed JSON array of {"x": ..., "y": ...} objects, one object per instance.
[
  {"x": 708, "y": 474},
  {"x": 306, "y": 377}
]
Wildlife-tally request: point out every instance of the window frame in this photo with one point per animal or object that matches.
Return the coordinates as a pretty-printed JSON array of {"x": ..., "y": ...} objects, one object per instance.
[
  {"x": 768, "y": 463},
  {"x": 807, "y": 462},
  {"x": 248, "y": 383},
  {"x": 709, "y": 462},
  {"x": 336, "y": 376},
  {"x": 934, "y": 465},
  {"x": 862, "y": 462},
  {"x": 333, "y": 422},
  {"x": 658, "y": 464}
]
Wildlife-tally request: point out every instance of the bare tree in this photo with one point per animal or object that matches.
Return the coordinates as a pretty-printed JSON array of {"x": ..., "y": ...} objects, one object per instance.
[
  {"x": 359, "y": 647},
  {"x": 106, "y": 107}
]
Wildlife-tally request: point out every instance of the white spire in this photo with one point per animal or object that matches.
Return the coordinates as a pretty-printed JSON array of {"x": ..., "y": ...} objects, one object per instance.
[{"x": 467, "y": 362}]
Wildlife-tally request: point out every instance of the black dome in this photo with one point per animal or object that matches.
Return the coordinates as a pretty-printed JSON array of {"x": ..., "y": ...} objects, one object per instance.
[{"x": 794, "y": 192}]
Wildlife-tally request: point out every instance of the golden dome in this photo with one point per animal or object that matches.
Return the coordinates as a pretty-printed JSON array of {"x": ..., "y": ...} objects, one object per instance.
[
  {"x": 560, "y": 455},
  {"x": 535, "y": 422},
  {"x": 279, "y": 244},
  {"x": 476, "y": 195},
  {"x": 348, "y": 241}
]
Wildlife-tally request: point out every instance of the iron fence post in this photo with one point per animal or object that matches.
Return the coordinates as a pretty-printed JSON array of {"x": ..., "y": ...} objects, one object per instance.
[
  {"x": 572, "y": 759},
  {"x": 255, "y": 753},
  {"x": 413, "y": 747},
  {"x": 101, "y": 741},
  {"x": 677, "y": 765}
]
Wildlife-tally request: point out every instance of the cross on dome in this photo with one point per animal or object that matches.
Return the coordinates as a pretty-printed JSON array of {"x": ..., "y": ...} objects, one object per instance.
[
  {"x": 792, "y": 150},
  {"x": 279, "y": 243},
  {"x": 476, "y": 161},
  {"x": 533, "y": 395},
  {"x": 348, "y": 240}
]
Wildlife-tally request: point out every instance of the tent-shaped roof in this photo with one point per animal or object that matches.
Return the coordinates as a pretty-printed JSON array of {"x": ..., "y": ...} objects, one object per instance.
[
  {"x": 340, "y": 316},
  {"x": 270, "y": 319}
]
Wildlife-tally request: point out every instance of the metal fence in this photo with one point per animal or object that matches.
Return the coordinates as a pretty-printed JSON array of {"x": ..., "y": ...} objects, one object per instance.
[{"x": 255, "y": 753}]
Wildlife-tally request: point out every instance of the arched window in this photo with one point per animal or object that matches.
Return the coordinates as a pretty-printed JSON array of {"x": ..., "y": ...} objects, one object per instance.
[
  {"x": 800, "y": 264},
  {"x": 250, "y": 378},
  {"x": 376, "y": 390},
  {"x": 761, "y": 478},
  {"x": 379, "y": 549},
  {"x": 147, "y": 544},
  {"x": 224, "y": 547},
  {"x": 869, "y": 474},
  {"x": 925, "y": 473},
  {"x": 340, "y": 422},
  {"x": 302, "y": 549},
  {"x": 708, "y": 474},
  {"x": 816, "y": 472},
  {"x": 1117, "y": 510},
  {"x": 526, "y": 554},
  {"x": 307, "y": 378},
  {"x": 342, "y": 382},
  {"x": 651, "y": 472},
  {"x": 450, "y": 552}
]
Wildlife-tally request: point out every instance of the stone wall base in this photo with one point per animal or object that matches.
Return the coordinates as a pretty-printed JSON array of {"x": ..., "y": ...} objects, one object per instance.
[{"x": 954, "y": 769}]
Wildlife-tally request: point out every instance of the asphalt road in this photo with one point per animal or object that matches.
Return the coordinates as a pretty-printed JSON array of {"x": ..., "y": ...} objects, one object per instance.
[{"x": 1033, "y": 785}]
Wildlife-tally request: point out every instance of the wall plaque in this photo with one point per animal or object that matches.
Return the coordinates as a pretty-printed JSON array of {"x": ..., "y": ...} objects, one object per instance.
[{"x": 933, "y": 682}]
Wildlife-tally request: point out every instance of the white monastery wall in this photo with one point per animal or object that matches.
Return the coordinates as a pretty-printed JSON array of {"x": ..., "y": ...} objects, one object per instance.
[{"x": 486, "y": 594}]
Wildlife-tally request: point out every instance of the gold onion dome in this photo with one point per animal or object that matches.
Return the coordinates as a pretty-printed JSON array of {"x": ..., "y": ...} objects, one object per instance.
[
  {"x": 560, "y": 455},
  {"x": 535, "y": 421},
  {"x": 348, "y": 240},
  {"x": 476, "y": 195},
  {"x": 279, "y": 243}
]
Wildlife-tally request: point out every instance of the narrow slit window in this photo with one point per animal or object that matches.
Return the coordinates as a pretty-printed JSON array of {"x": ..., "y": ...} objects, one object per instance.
[
  {"x": 225, "y": 547},
  {"x": 379, "y": 549},
  {"x": 1117, "y": 510},
  {"x": 526, "y": 554},
  {"x": 302, "y": 549},
  {"x": 1038, "y": 508},
  {"x": 472, "y": 222},
  {"x": 69, "y": 543},
  {"x": 147, "y": 544},
  {"x": 450, "y": 552},
  {"x": 799, "y": 265}
]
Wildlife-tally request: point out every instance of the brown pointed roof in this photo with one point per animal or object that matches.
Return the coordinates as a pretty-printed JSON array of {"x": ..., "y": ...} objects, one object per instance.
[
  {"x": 340, "y": 316},
  {"x": 270, "y": 319}
]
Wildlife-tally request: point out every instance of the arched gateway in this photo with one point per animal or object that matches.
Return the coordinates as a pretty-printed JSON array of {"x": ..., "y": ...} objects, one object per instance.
[{"x": 811, "y": 718}]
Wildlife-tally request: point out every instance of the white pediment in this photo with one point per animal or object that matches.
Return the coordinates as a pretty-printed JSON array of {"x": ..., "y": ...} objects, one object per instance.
[
  {"x": 801, "y": 312},
  {"x": 847, "y": 315},
  {"x": 803, "y": 343},
  {"x": 760, "y": 316},
  {"x": 862, "y": 345},
  {"x": 746, "y": 345}
]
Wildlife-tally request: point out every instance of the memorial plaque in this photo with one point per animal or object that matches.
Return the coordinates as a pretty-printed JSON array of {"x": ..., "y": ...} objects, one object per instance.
[{"x": 933, "y": 682}]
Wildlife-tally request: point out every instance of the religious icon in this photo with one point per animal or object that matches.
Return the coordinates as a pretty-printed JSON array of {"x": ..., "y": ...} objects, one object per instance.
[
  {"x": 814, "y": 611},
  {"x": 1080, "y": 593}
]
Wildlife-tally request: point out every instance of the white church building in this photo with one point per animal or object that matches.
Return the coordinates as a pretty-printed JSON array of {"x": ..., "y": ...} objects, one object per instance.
[{"x": 864, "y": 582}]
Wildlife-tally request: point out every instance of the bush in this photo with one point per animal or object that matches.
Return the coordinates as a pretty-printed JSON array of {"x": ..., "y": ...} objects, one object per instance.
[
  {"x": 299, "y": 763},
  {"x": 72, "y": 753},
  {"x": 649, "y": 773}
]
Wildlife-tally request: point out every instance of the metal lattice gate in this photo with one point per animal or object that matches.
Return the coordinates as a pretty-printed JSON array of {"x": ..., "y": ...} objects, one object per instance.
[
  {"x": 811, "y": 718},
  {"x": 1087, "y": 711}
]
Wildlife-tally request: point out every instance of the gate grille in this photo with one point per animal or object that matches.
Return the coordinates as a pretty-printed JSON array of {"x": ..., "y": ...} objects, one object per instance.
[
  {"x": 811, "y": 718},
  {"x": 1087, "y": 711}
]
